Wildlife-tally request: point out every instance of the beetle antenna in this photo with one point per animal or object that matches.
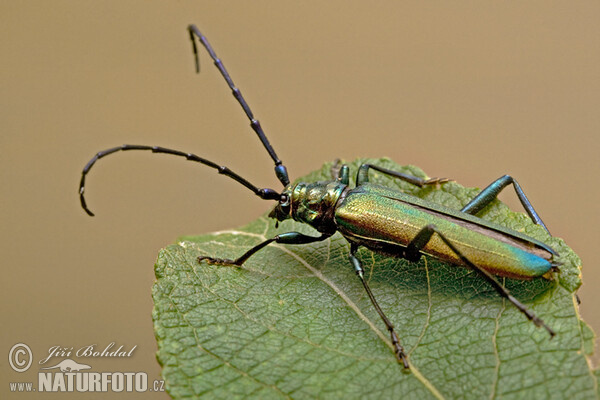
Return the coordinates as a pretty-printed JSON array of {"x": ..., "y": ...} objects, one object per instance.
[
  {"x": 263, "y": 193},
  {"x": 280, "y": 169}
]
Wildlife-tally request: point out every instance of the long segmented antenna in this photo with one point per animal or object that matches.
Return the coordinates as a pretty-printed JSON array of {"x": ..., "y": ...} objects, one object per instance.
[
  {"x": 263, "y": 193},
  {"x": 280, "y": 169}
]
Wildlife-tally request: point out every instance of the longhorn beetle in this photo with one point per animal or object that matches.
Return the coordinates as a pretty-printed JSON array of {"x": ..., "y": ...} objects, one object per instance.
[{"x": 384, "y": 220}]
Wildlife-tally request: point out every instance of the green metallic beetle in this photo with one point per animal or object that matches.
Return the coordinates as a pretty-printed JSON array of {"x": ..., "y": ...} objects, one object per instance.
[{"x": 384, "y": 220}]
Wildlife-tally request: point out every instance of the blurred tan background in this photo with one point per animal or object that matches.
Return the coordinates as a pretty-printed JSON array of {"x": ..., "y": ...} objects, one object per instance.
[{"x": 467, "y": 90}]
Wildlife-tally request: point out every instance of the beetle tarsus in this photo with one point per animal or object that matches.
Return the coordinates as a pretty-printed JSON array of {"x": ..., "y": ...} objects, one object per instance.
[
  {"x": 398, "y": 349},
  {"x": 540, "y": 323},
  {"x": 219, "y": 261},
  {"x": 546, "y": 327},
  {"x": 436, "y": 181}
]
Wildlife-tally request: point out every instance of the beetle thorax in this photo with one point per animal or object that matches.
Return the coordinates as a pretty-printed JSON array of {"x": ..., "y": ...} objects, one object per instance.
[{"x": 314, "y": 204}]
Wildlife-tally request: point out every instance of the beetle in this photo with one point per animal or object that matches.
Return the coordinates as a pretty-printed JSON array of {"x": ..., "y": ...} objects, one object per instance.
[{"x": 381, "y": 219}]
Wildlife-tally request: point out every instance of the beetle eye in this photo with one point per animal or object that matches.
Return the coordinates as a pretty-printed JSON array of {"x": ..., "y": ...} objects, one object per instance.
[
  {"x": 284, "y": 204},
  {"x": 284, "y": 201}
]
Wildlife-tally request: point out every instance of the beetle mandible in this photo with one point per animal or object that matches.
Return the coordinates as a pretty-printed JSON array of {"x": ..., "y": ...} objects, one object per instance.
[{"x": 381, "y": 219}]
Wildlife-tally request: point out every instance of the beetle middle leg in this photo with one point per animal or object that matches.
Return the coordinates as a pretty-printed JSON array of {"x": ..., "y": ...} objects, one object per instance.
[
  {"x": 284, "y": 238},
  {"x": 413, "y": 253},
  {"x": 363, "y": 176},
  {"x": 398, "y": 349},
  {"x": 490, "y": 193}
]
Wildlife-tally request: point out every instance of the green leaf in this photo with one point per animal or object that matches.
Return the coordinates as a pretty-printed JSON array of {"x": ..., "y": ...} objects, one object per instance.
[{"x": 295, "y": 322}]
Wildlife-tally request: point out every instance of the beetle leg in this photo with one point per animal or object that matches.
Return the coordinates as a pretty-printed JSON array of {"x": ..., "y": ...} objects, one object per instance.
[
  {"x": 285, "y": 238},
  {"x": 340, "y": 172},
  {"x": 398, "y": 350},
  {"x": 487, "y": 195},
  {"x": 363, "y": 176},
  {"x": 422, "y": 238}
]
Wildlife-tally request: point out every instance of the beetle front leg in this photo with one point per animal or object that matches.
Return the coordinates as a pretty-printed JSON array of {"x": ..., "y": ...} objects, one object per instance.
[
  {"x": 398, "y": 350},
  {"x": 284, "y": 238},
  {"x": 413, "y": 253},
  {"x": 487, "y": 195}
]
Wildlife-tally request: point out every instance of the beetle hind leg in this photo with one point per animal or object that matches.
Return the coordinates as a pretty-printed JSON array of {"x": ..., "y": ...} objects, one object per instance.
[
  {"x": 490, "y": 193},
  {"x": 424, "y": 236}
]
